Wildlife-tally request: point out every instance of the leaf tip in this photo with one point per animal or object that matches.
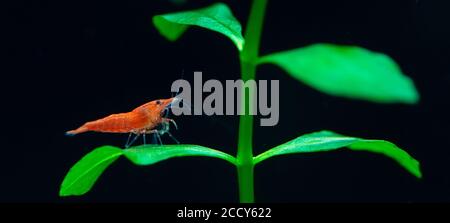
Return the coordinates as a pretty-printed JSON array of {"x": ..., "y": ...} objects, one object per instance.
[
  {"x": 415, "y": 169},
  {"x": 407, "y": 93},
  {"x": 171, "y": 31},
  {"x": 66, "y": 191},
  {"x": 63, "y": 192},
  {"x": 413, "y": 97}
]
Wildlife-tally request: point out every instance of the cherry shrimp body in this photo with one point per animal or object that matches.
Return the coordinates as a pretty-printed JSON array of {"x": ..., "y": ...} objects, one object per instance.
[{"x": 142, "y": 120}]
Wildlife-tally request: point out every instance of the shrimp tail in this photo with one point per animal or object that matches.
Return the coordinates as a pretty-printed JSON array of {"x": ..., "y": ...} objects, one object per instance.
[{"x": 77, "y": 131}]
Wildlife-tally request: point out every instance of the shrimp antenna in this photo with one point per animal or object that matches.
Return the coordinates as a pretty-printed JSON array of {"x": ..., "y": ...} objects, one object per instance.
[
  {"x": 178, "y": 91},
  {"x": 188, "y": 105}
]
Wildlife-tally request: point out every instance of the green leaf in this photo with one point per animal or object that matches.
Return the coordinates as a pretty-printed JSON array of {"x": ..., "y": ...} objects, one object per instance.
[
  {"x": 347, "y": 71},
  {"x": 217, "y": 17},
  {"x": 327, "y": 140},
  {"x": 150, "y": 154},
  {"x": 84, "y": 173}
]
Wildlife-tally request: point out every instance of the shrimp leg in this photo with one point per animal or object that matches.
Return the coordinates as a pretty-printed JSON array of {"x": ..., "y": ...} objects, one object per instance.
[
  {"x": 132, "y": 141},
  {"x": 144, "y": 138},
  {"x": 154, "y": 140},
  {"x": 173, "y": 138},
  {"x": 168, "y": 120},
  {"x": 159, "y": 138},
  {"x": 166, "y": 123},
  {"x": 156, "y": 137},
  {"x": 128, "y": 140}
]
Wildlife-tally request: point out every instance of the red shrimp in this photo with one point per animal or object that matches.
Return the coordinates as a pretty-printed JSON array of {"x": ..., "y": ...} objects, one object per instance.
[{"x": 141, "y": 120}]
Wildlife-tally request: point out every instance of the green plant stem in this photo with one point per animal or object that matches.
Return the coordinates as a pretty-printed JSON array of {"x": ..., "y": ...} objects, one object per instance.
[
  {"x": 245, "y": 147},
  {"x": 248, "y": 59}
]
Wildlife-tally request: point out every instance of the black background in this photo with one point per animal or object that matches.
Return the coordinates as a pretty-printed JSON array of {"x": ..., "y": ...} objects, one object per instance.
[{"x": 73, "y": 61}]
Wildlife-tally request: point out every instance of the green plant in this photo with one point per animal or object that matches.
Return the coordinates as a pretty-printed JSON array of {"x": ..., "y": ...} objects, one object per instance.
[{"x": 346, "y": 71}]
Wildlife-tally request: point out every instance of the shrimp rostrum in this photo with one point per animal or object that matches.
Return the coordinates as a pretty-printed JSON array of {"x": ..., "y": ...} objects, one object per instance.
[{"x": 146, "y": 119}]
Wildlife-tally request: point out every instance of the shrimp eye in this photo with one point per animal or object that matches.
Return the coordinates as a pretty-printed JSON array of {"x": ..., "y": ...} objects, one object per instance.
[{"x": 158, "y": 102}]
